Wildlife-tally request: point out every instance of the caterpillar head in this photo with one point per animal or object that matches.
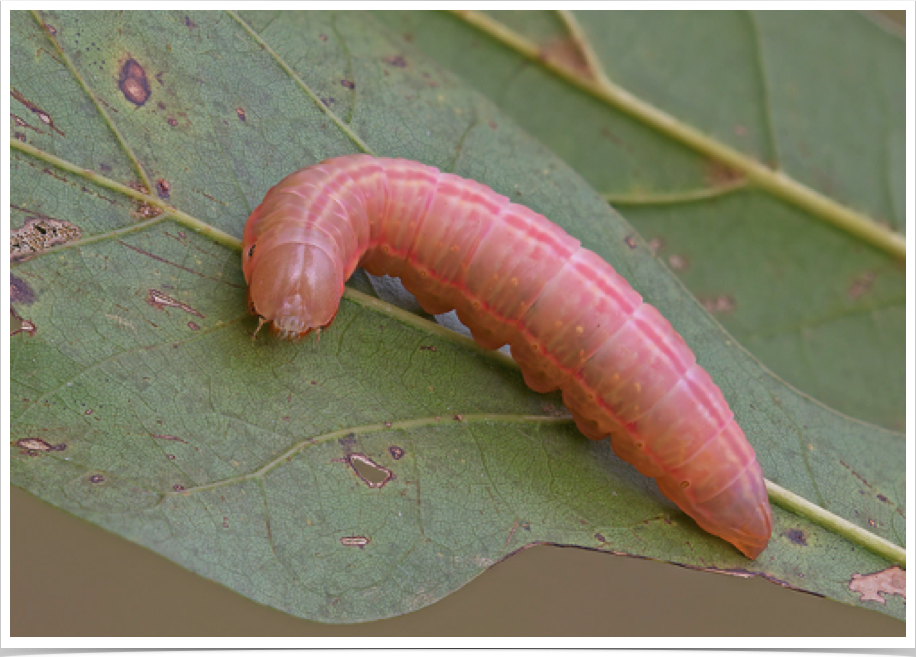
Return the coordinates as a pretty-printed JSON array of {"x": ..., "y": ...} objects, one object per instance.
[{"x": 294, "y": 287}]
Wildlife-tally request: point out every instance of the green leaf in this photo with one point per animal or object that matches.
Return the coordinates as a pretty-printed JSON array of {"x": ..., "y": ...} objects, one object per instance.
[
  {"x": 819, "y": 96},
  {"x": 375, "y": 471}
]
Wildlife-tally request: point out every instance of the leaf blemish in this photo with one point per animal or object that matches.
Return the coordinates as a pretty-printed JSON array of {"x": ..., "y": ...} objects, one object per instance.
[
  {"x": 354, "y": 541},
  {"x": 96, "y": 479},
  {"x": 797, "y": 536},
  {"x": 133, "y": 83},
  {"x": 20, "y": 292},
  {"x": 43, "y": 116},
  {"x": 891, "y": 581},
  {"x": 163, "y": 188},
  {"x": 40, "y": 233},
  {"x": 397, "y": 453},
  {"x": 371, "y": 473},
  {"x": 158, "y": 300},
  {"x": 861, "y": 285},
  {"x": 25, "y": 325},
  {"x": 720, "y": 304},
  {"x": 677, "y": 262},
  {"x": 39, "y": 445}
]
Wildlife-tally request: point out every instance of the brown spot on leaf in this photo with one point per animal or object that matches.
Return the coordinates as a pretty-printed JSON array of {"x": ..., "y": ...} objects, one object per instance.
[
  {"x": 797, "y": 536},
  {"x": 348, "y": 84},
  {"x": 167, "y": 437},
  {"x": 566, "y": 53},
  {"x": 39, "y": 445},
  {"x": 163, "y": 188},
  {"x": 172, "y": 122},
  {"x": 371, "y": 473},
  {"x": 630, "y": 241},
  {"x": 178, "y": 488},
  {"x": 43, "y": 116},
  {"x": 354, "y": 541},
  {"x": 158, "y": 300},
  {"x": 720, "y": 304},
  {"x": 348, "y": 442},
  {"x": 22, "y": 123},
  {"x": 861, "y": 285},
  {"x": 678, "y": 262},
  {"x": 20, "y": 292},
  {"x": 718, "y": 174},
  {"x": 891, "y": 581},
  {"x": 396, "y": 60},
  {"x": 397, "y": 453},
  {"x": 241, "y": 113},
  {"x": 40, "y": 233},
  {"x": 133, "y": 83},
  {"x": 25, "y": 325},
  {"x": 96, "y": 479},
  {"x": 194, "y": 326},
  {"x": 424, "y": 348}
]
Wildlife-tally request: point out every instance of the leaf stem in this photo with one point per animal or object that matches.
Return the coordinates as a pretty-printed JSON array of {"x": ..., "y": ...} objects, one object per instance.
[
  {"x": 141, "y": 172},
  {"x": 585, "y": 47},
  {"x": 668, "y": 198},
  {"x": 191, "y": 222},
  {"x": 773, "y": 181},
  {"x": 299, "y": 81},
  {"x": 402, "y": 425},
  {"x": 818, "y": 515}
]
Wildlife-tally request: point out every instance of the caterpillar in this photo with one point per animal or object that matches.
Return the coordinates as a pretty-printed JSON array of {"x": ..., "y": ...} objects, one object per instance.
[{"x": 514, "y": 278}]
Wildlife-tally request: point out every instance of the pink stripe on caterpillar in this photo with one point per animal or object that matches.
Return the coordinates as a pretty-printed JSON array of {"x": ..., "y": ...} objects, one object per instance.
[{"x": 515, "y": 278}]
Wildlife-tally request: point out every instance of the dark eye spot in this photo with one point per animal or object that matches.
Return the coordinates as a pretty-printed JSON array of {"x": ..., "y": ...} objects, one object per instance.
[{"x": 251, "y": 250}]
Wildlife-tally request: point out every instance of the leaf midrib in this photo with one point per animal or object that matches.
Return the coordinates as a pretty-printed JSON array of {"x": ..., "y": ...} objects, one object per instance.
[{"x": 773, "y": 181}]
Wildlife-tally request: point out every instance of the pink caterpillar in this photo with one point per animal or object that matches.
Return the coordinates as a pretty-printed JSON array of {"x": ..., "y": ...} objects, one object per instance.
[{"x": 515, "y": 278}]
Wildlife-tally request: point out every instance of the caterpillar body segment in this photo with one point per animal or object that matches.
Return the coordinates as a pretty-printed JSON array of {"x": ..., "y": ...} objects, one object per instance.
[{"x": 514, "y": 278}]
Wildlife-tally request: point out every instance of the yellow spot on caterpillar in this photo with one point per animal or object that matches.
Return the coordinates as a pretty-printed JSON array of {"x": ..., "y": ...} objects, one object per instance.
[
  {"x": 558, "y": 323},
  {"x": 385, "y": 248},
  {"x": 579, "y": 330},
  {"x": 514, "y": 280},
  {"x": 476, "y": 305},
  {"x": 454, "y": 248},
  {"x": 423, "y": 273},
  {"x": 639, "y": 445},
  {"x": 685, "y": 484},
  {"x": 637, "y": 388}
]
